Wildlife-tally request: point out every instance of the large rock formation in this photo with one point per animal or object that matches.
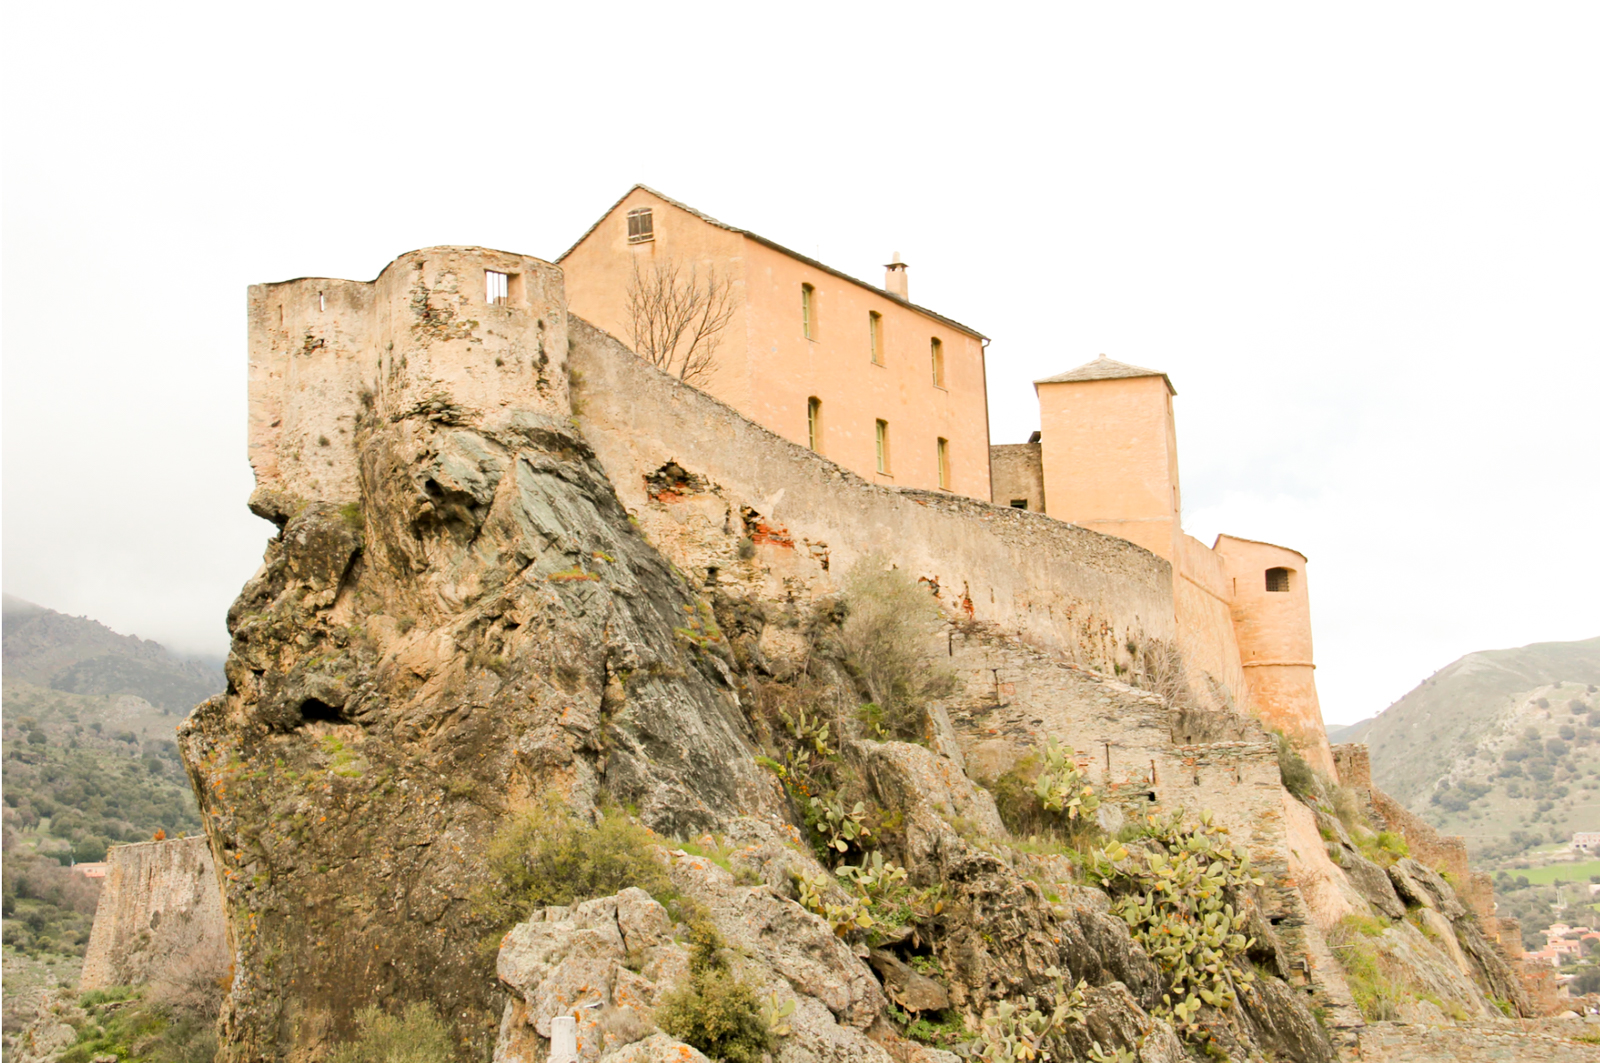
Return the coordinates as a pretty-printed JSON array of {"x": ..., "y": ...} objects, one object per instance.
[{"x": 459, "y": 617}]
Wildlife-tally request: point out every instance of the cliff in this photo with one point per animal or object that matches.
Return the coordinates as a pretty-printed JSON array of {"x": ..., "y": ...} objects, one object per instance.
[{"x": 519, "y": 570}]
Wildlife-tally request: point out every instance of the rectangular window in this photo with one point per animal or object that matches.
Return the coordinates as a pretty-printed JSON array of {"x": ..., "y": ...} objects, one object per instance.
[
  {"x": 1019, "y": 503},
  {"x": 883, "y": 447},
  {"x": 944, "y": 464},
  {"x": 938, "y": 363},
  {"x": 641, "y": 225},
  {"x": 808, "y": 311},
  {"x": 814, "y": 423},
  {"x": 875, "y": 335},
  {"x": 495, "y": 287}
]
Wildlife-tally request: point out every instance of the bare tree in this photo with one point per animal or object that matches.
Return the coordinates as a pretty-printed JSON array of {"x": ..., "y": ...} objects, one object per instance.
[{"x": 675, "y": 319}]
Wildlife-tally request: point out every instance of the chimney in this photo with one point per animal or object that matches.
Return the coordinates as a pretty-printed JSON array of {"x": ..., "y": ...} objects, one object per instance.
[{"x": 894, "y": 279}]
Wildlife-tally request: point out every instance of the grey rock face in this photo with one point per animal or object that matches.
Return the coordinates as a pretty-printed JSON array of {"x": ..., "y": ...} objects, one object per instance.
[{"x": 485, "y": 625}]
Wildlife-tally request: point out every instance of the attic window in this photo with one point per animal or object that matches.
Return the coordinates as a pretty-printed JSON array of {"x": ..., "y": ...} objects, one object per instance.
[
  {"x": 496, "y": 287},
  {"x": 1277, "y": 579},
  {"x": 641, "y": 225}
]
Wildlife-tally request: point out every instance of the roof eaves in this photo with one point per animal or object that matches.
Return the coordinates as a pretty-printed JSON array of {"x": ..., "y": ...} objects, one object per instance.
[{"x": 797, "y": 256}]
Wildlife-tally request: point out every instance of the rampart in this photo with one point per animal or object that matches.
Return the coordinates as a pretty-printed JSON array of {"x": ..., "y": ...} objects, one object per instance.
[
  {"x": 426, "y": 335},
  {"x": 705, "y": 482},
  {"x": 160, "y": 920}
]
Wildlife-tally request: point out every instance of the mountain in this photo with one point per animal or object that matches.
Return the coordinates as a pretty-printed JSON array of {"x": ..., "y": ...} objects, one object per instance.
[
  {"x": 77, "y": 655},
  {"x": 1500, "y": 746}
]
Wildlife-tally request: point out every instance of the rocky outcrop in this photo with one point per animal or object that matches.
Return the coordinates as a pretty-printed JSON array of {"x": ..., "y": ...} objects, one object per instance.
[{"x": 484, "y": 625}]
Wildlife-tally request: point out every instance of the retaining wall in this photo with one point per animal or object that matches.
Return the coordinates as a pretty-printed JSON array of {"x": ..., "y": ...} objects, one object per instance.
[{"x": 159, "y": 921}]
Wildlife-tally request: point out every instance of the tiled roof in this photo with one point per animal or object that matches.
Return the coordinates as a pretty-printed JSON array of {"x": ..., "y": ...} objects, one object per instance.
[{"x": 1103, "y": 368}]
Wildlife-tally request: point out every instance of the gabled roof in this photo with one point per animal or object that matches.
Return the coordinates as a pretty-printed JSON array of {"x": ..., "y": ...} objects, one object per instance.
[
  {"x": 797, "y": 256},
  {"x": 1103, "y": 368}
]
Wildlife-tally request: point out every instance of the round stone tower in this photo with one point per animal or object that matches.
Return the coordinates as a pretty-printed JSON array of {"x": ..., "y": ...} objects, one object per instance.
[{"x": 1271, "y": 611}]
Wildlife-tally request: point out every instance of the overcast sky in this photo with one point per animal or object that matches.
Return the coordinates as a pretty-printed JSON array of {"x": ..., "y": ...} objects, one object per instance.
[{"x": 1363, "y": 239}]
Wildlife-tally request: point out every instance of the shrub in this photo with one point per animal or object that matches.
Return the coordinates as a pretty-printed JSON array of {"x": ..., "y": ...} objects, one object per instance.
[
  {"x": 1180, "y": 893},
  {"x": 1377, "y": 995},
  {"x": 714, "y": 1011},
  {"x": 1296, "y": 774},
  {"x": 1047, "y": 795},
  {"x": 889, "y": 621},
  {"x": 549, "y": 856},
  {"x": 415, "y": 1037}
]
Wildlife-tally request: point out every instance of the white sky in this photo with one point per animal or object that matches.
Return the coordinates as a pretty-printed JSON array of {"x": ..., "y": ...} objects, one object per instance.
[{"x": 1362, "y": 239}]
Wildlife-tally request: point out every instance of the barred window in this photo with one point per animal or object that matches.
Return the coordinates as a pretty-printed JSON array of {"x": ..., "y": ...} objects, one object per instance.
[
  {"x": 495, "y": 287},
  {"x": 1277, "y": 579},
  {"x": 641, "y": 225}
]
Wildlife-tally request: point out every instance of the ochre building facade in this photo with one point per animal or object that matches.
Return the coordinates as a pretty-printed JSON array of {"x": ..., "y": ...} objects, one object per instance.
[{"x": 891, "y": 391}]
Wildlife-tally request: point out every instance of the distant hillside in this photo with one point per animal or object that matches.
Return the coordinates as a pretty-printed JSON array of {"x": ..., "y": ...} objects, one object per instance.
[
  {"x": 88, "y": 719},
  {"x": 1501, "y": 746},
  {"x": 81, "y": 656}
]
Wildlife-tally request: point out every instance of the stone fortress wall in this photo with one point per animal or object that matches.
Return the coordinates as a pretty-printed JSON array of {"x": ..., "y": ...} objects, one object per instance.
[
  {"x": 1039, "y": 643},
  {"x": 423, "y": 335},
  {"x": 159, "y": 921},
  {"x": 1072, "y": 591},
  {"x": 1046, "y": 618}
]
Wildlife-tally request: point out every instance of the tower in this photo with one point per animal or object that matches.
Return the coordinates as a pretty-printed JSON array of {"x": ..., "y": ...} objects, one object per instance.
[
  {"x": 1271, "y": 608},
  {"x": 1109, "y": 452}
]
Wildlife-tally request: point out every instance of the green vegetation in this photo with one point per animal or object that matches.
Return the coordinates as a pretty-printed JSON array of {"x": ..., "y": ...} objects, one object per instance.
[
  {"x": 550, "y": 856},
  {"x": 1293, "y": 771},
  {"x": 123, "y": 1023},
  {"x": 1550, "y": 874},
  {"x": 1377, "y": 994},
  {"x": 890, "y": 618},
  {"x": 1048, "y": 795},
  {"x": 1176, "y": 891},
  {"x": 418, "y": 1036},
  {"x": 863, "y": 901},
  {"x": 1013, "y": 1034},
  {"x": 713, "y": 1010},
  {"x": 1501, "y": 747}
]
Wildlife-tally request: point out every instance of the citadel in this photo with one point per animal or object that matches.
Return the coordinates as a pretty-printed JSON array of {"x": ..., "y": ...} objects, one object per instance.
[{"x": 516, "y": 560}]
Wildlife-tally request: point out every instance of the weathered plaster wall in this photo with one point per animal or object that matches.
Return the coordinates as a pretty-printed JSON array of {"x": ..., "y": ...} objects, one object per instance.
[
  {"x": 1205, "y": 626},
  {"x": 159, "y": 921},
  {"x": 421, "y": 336},
  {"x": 836, "y": 366},
  {"x": 599, "y": 269},
  {"x": 769, "y": 368},
  {"x": 807, "y": 520},
  {"x": 1110, "y": 458},
  {"x": 1018, "y": 475}
]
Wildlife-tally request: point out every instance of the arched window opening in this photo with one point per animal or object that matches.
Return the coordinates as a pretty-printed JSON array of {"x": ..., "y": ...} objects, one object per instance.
[
  {"x": 1278, "y": 579},
  {"x": 814, "y": 423}
]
